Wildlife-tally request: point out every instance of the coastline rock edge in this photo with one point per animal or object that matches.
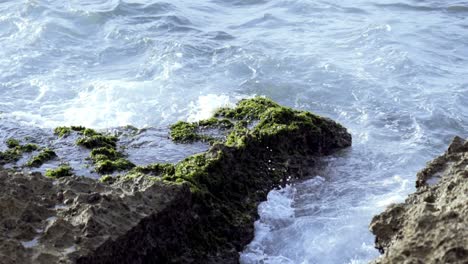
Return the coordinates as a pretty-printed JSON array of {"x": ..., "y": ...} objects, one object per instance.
[
  {"x": 431, "y": 226},
  {"x": 200, "y": 210}
]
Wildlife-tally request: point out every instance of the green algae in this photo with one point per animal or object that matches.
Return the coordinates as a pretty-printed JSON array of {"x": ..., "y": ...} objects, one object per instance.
[
  {"x": 44, "y": 156},
  {"x": 237, "y": 136},
  {"x": 214, "y": 122},
  {"x": 108, "y": 179},
  {"x": 104, "y": 154},
  {"x": 12, "y": 143},
  {"x": 97, "y": 141},
  {"x": 109, "y": 166},
  {"x": 88, "y": 132},
  {"x": 272, "y": 119},
  {"x": 228, "y": 181},
  {"x": 247, "y": 109},
  {"x": 155, "y": 169},
  {"x": 108, "y": 160},
  {"x": 62, "y": 171},
  {"x": 29, "y": 148},
  {"x": 78, "y": 128},
  {"x": 184, "y": 132},
  {"x": 11, "y": 155},
  {"x": 62, "y": 131},
  {"x": 91, "y": 138},
  {"x": 15, "y": 151}
]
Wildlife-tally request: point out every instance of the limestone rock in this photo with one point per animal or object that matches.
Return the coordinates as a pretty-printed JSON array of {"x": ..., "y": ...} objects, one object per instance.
[{"x": 431, "y": 226}]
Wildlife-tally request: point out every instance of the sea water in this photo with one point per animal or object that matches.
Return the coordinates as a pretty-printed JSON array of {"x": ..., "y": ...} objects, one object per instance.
[{"x": 394, "y": 72}]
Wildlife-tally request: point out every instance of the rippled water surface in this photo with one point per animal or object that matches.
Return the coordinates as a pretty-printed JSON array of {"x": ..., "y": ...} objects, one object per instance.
[{"x": 393, "y": 72}]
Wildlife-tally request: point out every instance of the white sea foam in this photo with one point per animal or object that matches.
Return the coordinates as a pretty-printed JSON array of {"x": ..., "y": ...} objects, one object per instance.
[{"x": 206, "y": 105}]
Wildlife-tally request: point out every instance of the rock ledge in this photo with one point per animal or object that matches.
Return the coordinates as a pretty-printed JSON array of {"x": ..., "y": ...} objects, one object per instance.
[
  {"x": 431, "y": 226},
  {"x": 200, "y": 210}
]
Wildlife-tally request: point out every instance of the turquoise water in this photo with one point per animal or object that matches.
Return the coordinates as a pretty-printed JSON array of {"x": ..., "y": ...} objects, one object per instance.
[{"x": 393, "y": 72}]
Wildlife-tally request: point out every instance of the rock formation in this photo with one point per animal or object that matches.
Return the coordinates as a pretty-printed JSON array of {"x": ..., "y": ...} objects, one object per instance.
[
  {"x": 431, "y": 226},
  {"x": 200, "y": 210}
]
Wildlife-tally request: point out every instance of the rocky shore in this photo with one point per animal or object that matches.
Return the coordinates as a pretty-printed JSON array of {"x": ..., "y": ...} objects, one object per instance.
[
  {"x": 431, "y": 226},
  {"x": 200, "y": 210}
]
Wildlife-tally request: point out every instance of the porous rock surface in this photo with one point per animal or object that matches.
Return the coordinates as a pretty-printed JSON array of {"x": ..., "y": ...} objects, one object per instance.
[
  {"x": 80, "y": 220},
  {"x": 431, "y": 226}
]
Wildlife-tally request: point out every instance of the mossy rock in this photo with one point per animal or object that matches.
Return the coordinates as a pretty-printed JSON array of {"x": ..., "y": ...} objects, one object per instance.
[
  {"x": 29, "y": 147},
  {"x": 265, "y": 145},
  {"x": 64, "y": 131},
  {"x": 61, "y": 171},
  {"x": 44, "y": 156},
  {"x": 185, "y": 132},
  {"x": 11, "y": 155},
  {"x": 109, "y": 166},
  {"x": 102, "y": 153},
  {"x": 12, "y": 143},
  {"x": 156, "y": 169},
  {"x": 97, "y": 141},
  {"x": 108, "y": 179},
  {"x": 262, "y": 145},
  {"x": 15, "y": 151}
]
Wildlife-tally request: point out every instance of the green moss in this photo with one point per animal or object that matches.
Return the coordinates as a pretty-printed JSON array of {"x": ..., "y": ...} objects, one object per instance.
[
  {"x": 62, "y": 131},
  {"x": 15, "y": 151},
  {"x": 88, "y": 132},
  {"x": 109, "y": 166},
  {"x": 107, "y": 179},
  {"x": 11, "y": 155},
  {"x": 108, "y": 160},
  {"x": 184, "y": 132},
  {"x": 155, "y": 169},
  {"x": 97, "y": 141},
  {"x": 105, "y": 153},
  {"x": 44, "y": 156},
  {"x": 229, "y": 180},
  {"x": 78, "y": 128},
  {"x": 247, "y": 109},
  {"x": 61, "y": 171},
  {"x": 237, "y": 137},
  {"x": 12, "y": 143},
  {"x": 29, "y": 147},
  {"x": 216, "y": 123},
  {"x": 195, "y": 169},
  {"x": 130, "y": 176}
]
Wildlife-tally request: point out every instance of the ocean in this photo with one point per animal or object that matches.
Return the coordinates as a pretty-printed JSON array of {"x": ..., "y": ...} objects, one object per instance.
[{"x": 393, "y": 72}]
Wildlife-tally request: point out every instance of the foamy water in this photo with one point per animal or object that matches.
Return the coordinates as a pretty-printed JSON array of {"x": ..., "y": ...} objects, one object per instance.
[{"x": 393, "y": 72}]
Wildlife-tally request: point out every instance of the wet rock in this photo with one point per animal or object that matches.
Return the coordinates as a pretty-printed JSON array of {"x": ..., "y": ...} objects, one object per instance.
[
  {"x": 200, "y": 210},
  {"x": 86, "y": 231},
  {"x": 431, "y": 226}
]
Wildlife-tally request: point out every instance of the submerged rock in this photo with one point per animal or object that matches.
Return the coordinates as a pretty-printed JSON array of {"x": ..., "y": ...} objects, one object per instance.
[
  {"x": 200, "y": 210},
  {"x": 431, "y": 226}
]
